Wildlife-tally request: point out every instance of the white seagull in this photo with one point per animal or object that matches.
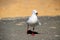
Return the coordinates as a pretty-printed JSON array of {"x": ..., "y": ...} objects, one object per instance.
[{"x": 33, "y": 20}]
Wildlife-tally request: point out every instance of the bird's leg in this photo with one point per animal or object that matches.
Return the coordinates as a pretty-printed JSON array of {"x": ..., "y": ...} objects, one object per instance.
[
  {"x": 33, "y": 32},
  {"x": 27, "y": 27},
  {"x": 33, "y": 28}
]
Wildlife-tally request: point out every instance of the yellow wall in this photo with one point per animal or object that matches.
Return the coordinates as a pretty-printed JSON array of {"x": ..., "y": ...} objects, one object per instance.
[{"x": 15, "y": 8}]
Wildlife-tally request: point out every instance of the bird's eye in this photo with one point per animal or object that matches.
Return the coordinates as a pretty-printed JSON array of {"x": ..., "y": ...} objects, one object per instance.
[{"x": 36, "y": 13}]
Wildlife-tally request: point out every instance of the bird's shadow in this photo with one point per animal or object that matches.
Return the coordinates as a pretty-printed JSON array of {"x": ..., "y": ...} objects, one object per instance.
[{"x": 30, "y": 32}]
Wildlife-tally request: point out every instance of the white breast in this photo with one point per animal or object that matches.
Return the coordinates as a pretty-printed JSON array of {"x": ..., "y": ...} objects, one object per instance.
[{"x": 33, "y": 19}]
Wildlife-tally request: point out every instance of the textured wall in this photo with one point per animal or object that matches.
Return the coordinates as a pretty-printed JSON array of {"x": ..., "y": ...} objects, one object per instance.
[{"x": 15, "y": 8}]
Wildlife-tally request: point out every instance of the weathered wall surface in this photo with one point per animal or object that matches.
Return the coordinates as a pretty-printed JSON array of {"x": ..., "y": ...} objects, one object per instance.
[{"x": 15, "y": 8}]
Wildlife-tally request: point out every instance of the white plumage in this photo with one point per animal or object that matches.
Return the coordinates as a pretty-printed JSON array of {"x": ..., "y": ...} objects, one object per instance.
[{"x": 33, "y": 20}]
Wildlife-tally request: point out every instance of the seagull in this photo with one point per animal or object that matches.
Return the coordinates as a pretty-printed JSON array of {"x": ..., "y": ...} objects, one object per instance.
[{"x": 33, "y": 20}]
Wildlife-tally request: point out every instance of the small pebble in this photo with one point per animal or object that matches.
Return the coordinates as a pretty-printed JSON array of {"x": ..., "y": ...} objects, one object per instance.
[
  {"x": 53, "y": 27},
  {"x": 57, "y": 35}
]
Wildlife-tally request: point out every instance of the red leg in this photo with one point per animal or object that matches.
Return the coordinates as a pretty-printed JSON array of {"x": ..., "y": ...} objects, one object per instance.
[{"x": 33, "y": 32}]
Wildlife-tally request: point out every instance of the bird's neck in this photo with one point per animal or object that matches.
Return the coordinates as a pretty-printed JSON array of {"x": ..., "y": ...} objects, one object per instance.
[{"x": 34, "y": 15}]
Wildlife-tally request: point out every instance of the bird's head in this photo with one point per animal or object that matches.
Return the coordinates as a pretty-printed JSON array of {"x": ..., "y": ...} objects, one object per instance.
[{"x": 35, "y": 12}]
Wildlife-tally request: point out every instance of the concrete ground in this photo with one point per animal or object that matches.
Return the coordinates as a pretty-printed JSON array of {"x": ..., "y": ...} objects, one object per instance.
[{"x": 15, "y": 29}]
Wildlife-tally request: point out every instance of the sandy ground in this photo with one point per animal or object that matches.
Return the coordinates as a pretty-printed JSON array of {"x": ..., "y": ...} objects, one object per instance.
[{"x": 15, "y": 29}]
